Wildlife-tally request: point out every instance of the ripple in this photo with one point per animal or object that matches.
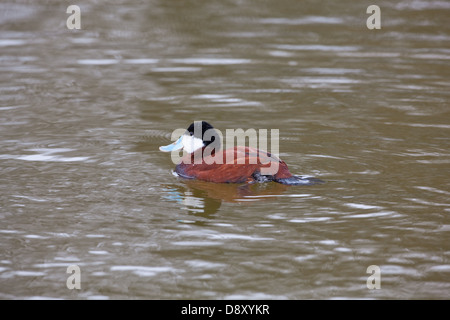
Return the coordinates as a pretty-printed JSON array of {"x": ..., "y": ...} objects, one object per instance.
[
  {"x": 255, "y": 296},
  {"x": 299, "y": 195},
  {"x": 328, "y": 242},
  {"x": 97, "y": 297},
  {"x": 333, "y": 70},
  {"x": 423, "y": 125},
  {"x": 362, "y": 206},
  {"x": 97, "y": 62},
  {"x": 197, "y": 243},
  {"x": 430, "y": 56},
  {"x": 428, "y": 203},
  {"x": 440, "y": 268},
  {"x": 83, "y": 40},
  {"x": 225, "y": 100},
  {"x": 176, "y": 69},
  {"x": 324, "y": 156},
  {"x": 367, "y": 54},
  {"x": 46, "y": 155},
  {"x": 11, "y": 42},
  {"x": 21, "y": 273},
  {"x": 35, "y": 236},
  {"x": 398, "y": 270},
  {"x": 315, "y": 47},
  {"x": 42, "y": 298},
  {"x": 435, "y": 190},
  {"x": 302, "y": 20},
  {"x": 141, "y": 61},
  {"x": 159, "y": 134},
  {"x": 233, "y": 236},
  {"x": 210, "y": 96},
  {"x": 142, "y": 270},
  {"x": 320, "y": 80},
  {"x": 306, "y": 220},
  {"x": 64, "y": 264},
  {"x": 31, "y": 198},
  {"x": 211, "y": 61},
  {"x": 305, "y": 257},
  {"x": 422, "y": 5},
  {"x": 98, "y": 252},
  {"x": 202, "y": 264},
  {"x": 9, "y": 231},
  {"x": 391, "y": 214}
]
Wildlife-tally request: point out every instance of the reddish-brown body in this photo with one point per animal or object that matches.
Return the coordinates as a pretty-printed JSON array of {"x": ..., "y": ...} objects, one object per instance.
[{"x": 240, "y": 164}]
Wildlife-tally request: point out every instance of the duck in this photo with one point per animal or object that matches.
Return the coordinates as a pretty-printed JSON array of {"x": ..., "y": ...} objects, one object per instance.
[{"x": 205, "y": 161}]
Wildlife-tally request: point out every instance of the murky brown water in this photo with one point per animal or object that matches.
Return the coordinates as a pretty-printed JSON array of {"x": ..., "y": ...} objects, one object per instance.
[{"x": 83, "y": 182}]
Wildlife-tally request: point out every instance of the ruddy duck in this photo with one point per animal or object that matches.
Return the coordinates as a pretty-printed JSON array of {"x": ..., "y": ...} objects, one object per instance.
[{"x": 240, "y": 164}]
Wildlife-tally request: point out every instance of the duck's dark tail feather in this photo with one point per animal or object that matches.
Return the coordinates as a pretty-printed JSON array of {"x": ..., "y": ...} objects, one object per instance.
[{"x": 299, "y": 181}]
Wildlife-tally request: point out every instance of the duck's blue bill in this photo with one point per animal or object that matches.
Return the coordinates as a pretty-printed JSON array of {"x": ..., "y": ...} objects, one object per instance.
[{"x": 177, "y": 145}]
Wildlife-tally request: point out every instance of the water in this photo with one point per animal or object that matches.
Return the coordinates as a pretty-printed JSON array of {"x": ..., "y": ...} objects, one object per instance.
[{"x": 83, "y": 183}]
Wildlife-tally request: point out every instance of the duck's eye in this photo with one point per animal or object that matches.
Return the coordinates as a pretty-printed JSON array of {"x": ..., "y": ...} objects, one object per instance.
[{"x": 191, "y": 134}]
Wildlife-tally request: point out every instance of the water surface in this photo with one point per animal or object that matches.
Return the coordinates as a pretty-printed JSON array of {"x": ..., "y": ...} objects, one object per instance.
[{"x": 83, "y": 113}]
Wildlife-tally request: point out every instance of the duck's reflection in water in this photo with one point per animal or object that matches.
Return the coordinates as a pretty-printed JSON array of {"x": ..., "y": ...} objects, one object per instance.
[{"x": 205, "y": 198}]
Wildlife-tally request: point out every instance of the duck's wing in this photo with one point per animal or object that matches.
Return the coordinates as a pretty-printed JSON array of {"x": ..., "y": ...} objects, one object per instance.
[{"x": 242, "y": 155}]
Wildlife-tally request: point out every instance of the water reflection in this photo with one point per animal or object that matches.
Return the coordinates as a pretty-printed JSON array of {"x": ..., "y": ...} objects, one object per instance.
[{"x": 205, "y": 198}]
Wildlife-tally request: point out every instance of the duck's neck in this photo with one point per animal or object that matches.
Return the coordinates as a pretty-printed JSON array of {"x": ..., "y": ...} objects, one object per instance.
[{"x": 202, "y": 153}]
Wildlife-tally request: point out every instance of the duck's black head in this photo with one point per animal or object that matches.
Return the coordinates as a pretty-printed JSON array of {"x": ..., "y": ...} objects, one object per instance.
[{"x": 199, "y": 134}]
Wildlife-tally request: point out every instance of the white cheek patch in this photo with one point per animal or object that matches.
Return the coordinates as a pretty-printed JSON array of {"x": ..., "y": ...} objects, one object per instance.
[{"x": 191, "y": 143}]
